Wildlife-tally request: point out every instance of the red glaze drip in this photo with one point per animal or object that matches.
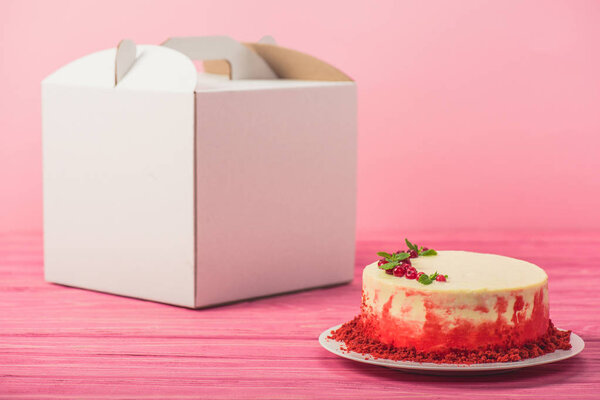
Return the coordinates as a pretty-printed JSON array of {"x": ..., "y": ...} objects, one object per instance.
[
  {"x": 519, "y": 305},
  {"x": 481, "y": 308},
  {"x": 501, "y": 305}
]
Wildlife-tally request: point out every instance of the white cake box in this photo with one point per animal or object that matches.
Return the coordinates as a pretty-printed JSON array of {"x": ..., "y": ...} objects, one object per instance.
[{"x": 193, "y": 189}]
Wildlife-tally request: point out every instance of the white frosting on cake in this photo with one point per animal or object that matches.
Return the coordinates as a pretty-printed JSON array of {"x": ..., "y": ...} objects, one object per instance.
[{"x": 467, "y": 271}]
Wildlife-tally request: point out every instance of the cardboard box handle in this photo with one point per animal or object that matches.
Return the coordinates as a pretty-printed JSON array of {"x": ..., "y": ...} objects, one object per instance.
[
  {"x": 124, "y": 59},
  {"x": 243, "y": 62}
]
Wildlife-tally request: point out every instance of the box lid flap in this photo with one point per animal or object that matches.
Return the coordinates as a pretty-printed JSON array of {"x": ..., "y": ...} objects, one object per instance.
[{"x": 155, "y": 68}]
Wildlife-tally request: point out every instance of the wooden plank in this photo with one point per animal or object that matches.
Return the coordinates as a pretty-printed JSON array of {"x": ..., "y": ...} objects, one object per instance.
[{"x": 59, "y": 342}]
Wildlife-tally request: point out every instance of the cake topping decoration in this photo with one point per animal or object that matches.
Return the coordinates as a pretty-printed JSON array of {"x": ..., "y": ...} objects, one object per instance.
[
  {"x": 423, "y": 251},
  {"x": 399, "y": 264},
  {"x": 428, "y": 279}
]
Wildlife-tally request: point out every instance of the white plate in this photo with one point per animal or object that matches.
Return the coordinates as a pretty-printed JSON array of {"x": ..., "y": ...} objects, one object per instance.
[{"x": 451, "y": 369}]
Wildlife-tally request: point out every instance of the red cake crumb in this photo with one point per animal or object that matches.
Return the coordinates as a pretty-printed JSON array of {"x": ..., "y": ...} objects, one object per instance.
[{"x": 355, "y": 336}]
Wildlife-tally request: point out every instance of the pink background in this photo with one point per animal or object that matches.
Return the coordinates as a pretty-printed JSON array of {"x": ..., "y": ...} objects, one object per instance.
[{"x": 472, "y": 115}]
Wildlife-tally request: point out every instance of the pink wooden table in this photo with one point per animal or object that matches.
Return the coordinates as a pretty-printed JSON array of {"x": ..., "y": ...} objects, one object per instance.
[{"x": 59, "y": 342}]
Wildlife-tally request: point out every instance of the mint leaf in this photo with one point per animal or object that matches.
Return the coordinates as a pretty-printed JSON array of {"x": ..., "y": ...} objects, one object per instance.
[
  {"x": 425, "y": 280},
  {"x": 429, "y": 252},
  {"x": 399, "y": 256},
  {"x": 433, "y": 276},
  {"x": 410, "y": 245},
  {"x": 389, "y": 265},
  {"x": 384, "y": 254}
]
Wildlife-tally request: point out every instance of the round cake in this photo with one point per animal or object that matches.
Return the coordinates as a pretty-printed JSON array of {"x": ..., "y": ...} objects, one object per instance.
[
  {"x": 487, "y": 299},
  {"x": 454, "y": 307}
]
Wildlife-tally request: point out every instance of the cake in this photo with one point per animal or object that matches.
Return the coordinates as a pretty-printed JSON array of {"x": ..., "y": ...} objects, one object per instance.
[{"x": 452, "y": 306}]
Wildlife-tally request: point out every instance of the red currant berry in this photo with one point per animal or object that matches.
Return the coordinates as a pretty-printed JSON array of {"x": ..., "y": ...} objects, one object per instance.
[
  {"x": 419, "y": 274},
  {"x": 440, "y": 278},
  {"x": 381, "y": 262},
  {"x": 413, "y": 254},
  {"x": 389, "y": 271},
  {"x": 399, "y": 271},
  {"x": 411, "y": 274}
]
